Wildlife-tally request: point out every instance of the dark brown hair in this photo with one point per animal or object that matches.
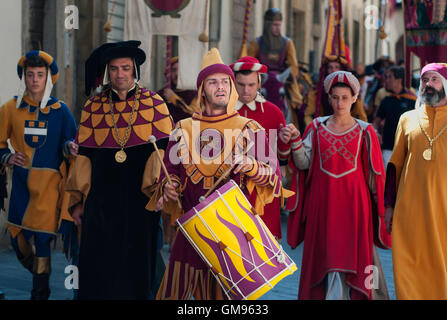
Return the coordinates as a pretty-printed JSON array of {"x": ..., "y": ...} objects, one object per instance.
[
  {"x": 341, "y": 85},
  {"x": 34, "y": 61}
]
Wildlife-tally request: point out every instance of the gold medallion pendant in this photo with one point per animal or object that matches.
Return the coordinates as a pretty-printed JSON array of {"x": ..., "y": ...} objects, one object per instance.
[
  {"x": 120, "y": 156},
  {"x": 427, "y": 154}
]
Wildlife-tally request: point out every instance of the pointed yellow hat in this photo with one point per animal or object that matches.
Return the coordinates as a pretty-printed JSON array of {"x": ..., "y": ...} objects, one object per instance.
[{"x": 212, "y": 63}]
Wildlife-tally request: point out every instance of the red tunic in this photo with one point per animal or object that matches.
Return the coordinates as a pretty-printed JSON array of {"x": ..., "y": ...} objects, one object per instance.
[
  {"x": 270, "y": 117},
  {"x": 342, "y": 210}
]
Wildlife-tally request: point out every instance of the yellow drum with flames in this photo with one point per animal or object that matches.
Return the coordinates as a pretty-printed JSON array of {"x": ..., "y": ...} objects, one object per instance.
[{"x": 234, "y": 242}]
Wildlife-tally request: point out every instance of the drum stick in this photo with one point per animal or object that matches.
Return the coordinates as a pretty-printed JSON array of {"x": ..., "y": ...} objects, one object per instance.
[
  {"x": 153, "y": 140},
  {"x": 223, "y": 176}
]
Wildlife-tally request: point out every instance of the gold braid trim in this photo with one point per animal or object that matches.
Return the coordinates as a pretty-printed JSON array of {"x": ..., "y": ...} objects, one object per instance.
[{"x": 191, "y": 169}]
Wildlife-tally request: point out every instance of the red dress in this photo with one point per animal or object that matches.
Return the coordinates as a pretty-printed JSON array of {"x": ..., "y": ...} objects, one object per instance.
[{"x": 342, "y": 212}]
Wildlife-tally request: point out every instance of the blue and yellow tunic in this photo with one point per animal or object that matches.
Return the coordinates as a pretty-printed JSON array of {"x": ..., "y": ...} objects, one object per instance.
[{"x": 43, "y": 136}]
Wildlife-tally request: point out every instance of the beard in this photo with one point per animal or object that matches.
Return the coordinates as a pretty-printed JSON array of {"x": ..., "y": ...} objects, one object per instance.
[
  {"x": 431, "y": 96},
  {"x": 220, "y": 105}
]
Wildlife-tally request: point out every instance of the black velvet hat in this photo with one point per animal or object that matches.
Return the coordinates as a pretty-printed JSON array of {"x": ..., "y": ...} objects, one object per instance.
[{"x": 98, "y": 59}]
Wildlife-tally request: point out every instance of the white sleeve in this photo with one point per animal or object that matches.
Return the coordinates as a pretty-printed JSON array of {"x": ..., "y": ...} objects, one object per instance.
[{"x": 302, "y": 156}]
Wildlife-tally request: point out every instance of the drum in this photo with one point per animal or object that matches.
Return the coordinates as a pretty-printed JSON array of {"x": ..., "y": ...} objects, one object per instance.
[{"x": 234, "y": 242}]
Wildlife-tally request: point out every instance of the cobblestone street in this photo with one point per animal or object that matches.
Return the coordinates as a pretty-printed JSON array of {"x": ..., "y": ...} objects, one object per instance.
[{"x": 16, "y": 282}]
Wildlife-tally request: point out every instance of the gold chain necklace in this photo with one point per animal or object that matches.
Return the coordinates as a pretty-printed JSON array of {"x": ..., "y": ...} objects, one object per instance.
[
  {"x": 121, "y": 156},
  {"x": 428, "y": 153}
]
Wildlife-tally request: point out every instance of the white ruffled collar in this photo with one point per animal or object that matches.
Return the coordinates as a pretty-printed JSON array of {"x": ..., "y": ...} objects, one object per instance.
[{"x": 252, "y": 104}]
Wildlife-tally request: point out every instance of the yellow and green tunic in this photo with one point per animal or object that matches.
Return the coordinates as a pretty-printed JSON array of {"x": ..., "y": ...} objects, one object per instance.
[{"x": 43, "y": 136}]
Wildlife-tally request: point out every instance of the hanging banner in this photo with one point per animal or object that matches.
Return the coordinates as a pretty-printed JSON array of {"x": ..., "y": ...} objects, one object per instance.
[
  {"x": 425, "y": 32},
  {"x": 182, "y": 18},
  {"x": 334, "y": 48}
]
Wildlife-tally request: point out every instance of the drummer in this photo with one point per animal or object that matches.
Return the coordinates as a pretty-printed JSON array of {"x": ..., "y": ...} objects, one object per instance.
[{"x": 216, "y": 140}]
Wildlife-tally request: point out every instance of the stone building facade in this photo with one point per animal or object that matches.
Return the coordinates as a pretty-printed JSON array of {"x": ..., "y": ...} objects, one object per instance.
[{"x": 41, "y": 24}]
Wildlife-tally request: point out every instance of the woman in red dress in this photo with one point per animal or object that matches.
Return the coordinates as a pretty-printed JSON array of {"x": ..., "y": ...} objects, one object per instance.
[{"x": 338, "y": 210}]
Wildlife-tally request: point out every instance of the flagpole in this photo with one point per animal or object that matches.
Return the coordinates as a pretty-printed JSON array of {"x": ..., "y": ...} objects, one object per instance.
[
  {"x": 243, "y": 51},
  {"x": 333, "y": 26},
  {"x": 376, "y": 49},
  {"x": 168, "y": 61},
  {"x": 407, "y": 59}
]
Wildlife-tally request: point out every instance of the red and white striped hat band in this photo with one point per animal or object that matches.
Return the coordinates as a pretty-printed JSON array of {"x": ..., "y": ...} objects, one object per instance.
[
  {"x": 342, "y": 77},
  {"x": 249, "y": 64}
]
